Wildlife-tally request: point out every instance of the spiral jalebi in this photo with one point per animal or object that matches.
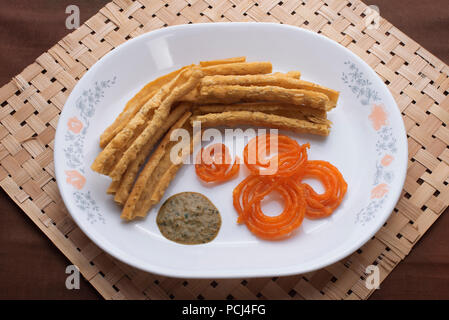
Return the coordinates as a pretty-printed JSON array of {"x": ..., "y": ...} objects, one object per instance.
[{"x": 213, "y": 164}]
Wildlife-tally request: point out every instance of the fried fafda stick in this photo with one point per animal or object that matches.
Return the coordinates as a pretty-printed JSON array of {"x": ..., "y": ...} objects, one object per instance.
[
  {"x": 124, "y": 147},
  {"x": 272, "y": 80},
  {"x": 159, "y": 188},
  {"x": 234, "y": 93},
  {"x": 263, "y": 106},
  {"x": 291, "y": 74},
  {"x": 134, "y": 105},
  {"x": 294, "y": 74},
  {"x": 126, "y": 183},
  {"x": 281, "y": 109},
  {"x": 113, "y": 187},
  {"x": 239, "y": 68},
  {"x": 138, "y": 195},
  {"x": 222, "y": 61},
  {"x": 139, "y": 201},
  {"x": 234, "y": 118}
]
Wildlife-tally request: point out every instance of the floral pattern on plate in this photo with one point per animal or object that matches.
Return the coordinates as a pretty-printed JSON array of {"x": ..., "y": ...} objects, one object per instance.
[
  {"x": 75, "y": 136},
  {"x": 386, "y": 143}
]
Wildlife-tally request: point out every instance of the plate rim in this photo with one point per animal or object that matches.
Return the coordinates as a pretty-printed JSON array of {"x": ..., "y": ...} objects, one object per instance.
[{"x": 206, "y": 273}]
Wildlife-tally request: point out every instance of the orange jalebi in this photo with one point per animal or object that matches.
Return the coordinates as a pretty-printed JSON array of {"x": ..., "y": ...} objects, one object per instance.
[
  {"x": 322, "y": 205},
  {"x": 287, "y": 156},
  {"x": 213, "y": 164},
  {"x": 247, "y": 197}
]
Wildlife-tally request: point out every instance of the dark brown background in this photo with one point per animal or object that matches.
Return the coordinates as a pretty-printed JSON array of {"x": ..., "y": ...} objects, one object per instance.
[{"x": 31, "y": 267}]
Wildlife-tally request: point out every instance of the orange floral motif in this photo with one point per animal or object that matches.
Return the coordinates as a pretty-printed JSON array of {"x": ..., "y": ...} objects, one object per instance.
[
  {"x": 75, "y": 125},
  {"x": 386, "y": 160},
  {"x": 379, "y": 191},
  {"x": 378, "y": 117},
  {"x": 75, "y": 178}
]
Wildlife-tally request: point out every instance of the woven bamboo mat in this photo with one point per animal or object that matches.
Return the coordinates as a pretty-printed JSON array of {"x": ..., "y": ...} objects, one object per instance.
[{"x": 32, "y": 101}]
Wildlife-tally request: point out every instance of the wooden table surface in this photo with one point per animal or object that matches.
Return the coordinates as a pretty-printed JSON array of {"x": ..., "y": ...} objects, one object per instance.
[{"x": 31, "y": 267}]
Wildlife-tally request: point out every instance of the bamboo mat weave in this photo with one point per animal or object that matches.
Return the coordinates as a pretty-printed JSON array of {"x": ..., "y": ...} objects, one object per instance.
[{"x": 32, "y": 101}]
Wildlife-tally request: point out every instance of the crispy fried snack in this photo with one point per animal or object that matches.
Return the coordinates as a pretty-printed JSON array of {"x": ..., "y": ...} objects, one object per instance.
[
  {"x": 243, "y": 68},
  {"x": 294, "y": 74},
  {"x": 281, "y": 109},
  {"x": 147, "y": 135},
  {"x": 234, "y": 118},
  {"x": 138, "y": 196},
  {"x": 291, "y": 74},
  {"x": 164, "y": 181},
  {"x": 134, "y": 105},
  {"x": 279, "y": 80},
  {"x": 124, "y": 147},
  {"x": 113, "y": 187},
  {"x": 238, "y": 68},
  {"x": 126, "y": 183},
  {"x": 154, "y": 178},
  {"x": 222, "y": 61},
  {"x": 227, "y": 94},
  {"x": 147, "y": 92},
  {"x": 330, "y": 93},
  {"x": 193, "y": 95}
]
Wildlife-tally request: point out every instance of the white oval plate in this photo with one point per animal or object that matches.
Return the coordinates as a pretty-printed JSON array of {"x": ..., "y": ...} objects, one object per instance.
[{"x": 367, "y": 143}]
